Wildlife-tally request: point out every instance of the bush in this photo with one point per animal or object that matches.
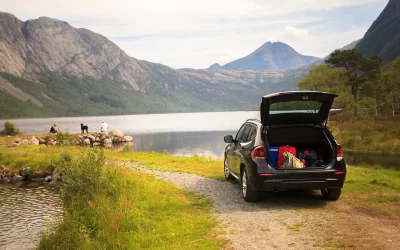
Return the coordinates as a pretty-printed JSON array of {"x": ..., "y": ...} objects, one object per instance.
[
  {"x": 10, "y": 129},
  {"x": 82, "y": 175}
]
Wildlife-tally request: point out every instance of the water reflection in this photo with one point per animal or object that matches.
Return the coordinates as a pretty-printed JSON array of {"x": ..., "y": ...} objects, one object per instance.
[{"x": 23, "y": 212}]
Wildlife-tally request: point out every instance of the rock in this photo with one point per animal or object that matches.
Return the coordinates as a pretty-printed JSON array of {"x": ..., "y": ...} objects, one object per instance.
[
  {"x": 47, "y": 179},
  {"x": 128, "y": 138},
  {"x": 117, "y": 133},
  {"x": 107, "y": 142},
  {"x": 26, "y": 173},
  {"x": 91, "y": 138},
  {"x": 24, "y": 142},
  {"x": 17, "y": 140},
  {"x": 34, "y": 141},
  {"x": 96, "y": 144},
  {"x": 42, "y": 141},
  {"x": 51, "y": 143},
  {"x": 86, "y": 141},
  {"x": 106, "y": 133},
  {"x": 97, "y": 139},
  {"x": 14, "y": 144},
  {"x": 56, "y": 176},
  {"x": 16, "y": 178},
  {"x": 38, "y": 179}
]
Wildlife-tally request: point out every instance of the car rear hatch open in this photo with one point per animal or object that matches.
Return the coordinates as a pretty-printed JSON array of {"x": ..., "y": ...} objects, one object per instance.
[{"x": 298, "y": 107}]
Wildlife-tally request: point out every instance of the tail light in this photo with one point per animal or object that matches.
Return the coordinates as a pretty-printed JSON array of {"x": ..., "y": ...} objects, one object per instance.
[
  {"x": 258, "y": 153},
  {"x": 339, "y": 152}
]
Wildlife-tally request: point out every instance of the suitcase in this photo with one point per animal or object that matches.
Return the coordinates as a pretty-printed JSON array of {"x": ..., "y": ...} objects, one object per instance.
[
  {"x": 283, "y": 149},
  {"x": 273, "y": 156}
]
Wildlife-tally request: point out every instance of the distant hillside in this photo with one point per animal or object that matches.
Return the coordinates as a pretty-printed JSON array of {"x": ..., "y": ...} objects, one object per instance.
[
  {"x": 270, "y": 56},
  {"x": 49, "y": 68},
  {"x": 383, "y": 37}
]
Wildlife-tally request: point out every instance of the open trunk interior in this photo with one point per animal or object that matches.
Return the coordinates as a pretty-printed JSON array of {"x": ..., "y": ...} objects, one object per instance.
[{"x": 304, "y": 138}]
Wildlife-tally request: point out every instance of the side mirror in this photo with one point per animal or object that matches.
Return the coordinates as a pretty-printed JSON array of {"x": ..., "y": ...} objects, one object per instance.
[{"x": 228, "y": 139}]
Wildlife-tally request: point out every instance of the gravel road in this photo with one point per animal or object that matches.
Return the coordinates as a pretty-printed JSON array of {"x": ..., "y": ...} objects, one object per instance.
[{"x": 287, "y": 220}]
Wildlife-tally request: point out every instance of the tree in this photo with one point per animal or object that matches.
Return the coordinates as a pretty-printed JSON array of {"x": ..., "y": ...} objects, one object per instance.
[
  {"x": 391, "y": 85},
  {"x": 359, "y": 70}
]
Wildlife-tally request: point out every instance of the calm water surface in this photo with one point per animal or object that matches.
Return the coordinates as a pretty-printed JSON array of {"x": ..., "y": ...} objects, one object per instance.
[
  {"x": 24, "y": 212},
  {"x": 179, "y": 134}
]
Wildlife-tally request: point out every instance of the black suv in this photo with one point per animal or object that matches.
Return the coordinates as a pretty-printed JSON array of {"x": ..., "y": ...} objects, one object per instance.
[{"x": 297, "y": 119}]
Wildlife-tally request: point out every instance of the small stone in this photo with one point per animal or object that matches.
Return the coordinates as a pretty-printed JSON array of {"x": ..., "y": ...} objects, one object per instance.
[
  {"x": 16, "y": 178},
  {"x": 107, "y": 141},
  {"x": 128, "y": 138},
  {"x": 86, "y": 141},
  {"x": 34, "y": 141},
  {"x": 24, "y": 142},
  {"x": 47, "y": 179}
]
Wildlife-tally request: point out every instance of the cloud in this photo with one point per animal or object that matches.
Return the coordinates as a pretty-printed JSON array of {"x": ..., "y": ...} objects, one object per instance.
[
  {"x": 291, "y": 33},
  {"x": 187, "y": 33}
]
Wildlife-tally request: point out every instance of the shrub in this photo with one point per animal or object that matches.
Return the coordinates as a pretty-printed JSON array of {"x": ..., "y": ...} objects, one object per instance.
[
  {"x": 82, "y": 175},
  {"x": 64, "y": 139},
  {"x": 10, "y": 129}
]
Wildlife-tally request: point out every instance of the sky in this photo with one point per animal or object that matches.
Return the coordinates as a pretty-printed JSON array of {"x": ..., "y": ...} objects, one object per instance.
[{"x": 196, "y": 34}]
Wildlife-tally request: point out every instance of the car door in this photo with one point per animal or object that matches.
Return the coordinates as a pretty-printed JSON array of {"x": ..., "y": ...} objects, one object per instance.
[
  {"x": 240, "y": 148},
  {"x": 230, "y": 152}
]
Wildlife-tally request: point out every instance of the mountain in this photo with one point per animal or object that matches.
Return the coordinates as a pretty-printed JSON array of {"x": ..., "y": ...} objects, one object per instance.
[
  {"x": 49, "y": 68},
  {"x": 270, "y": 56},
  {"x": 383, "y": 37}
]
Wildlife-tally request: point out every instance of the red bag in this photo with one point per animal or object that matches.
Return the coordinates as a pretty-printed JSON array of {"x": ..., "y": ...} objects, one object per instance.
[{"x": 283, "y": 149}]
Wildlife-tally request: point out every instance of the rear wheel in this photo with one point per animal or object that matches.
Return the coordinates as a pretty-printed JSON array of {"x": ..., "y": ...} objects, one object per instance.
[
  {"x": 227, "y": 172},
  {"x": 331, "y": 194},
  {"x": 248, "y": 193}
]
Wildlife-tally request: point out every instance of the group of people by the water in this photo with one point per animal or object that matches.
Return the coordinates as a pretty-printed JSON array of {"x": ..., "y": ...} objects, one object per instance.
[{"x": 103, "y": 128}]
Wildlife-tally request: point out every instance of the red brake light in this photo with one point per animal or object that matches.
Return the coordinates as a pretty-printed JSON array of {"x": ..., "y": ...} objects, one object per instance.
[
  {"x": 339, "y": 150},
  {"x": 258, "y": 153}
]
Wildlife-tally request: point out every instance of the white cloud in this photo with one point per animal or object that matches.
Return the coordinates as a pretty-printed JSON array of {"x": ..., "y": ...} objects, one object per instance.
[
  {"x": 187, "y": 33},
  {"x": 291, "y": 33}
]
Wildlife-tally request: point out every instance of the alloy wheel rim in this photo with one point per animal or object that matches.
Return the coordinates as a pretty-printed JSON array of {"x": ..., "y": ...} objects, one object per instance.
[
  {"x": 226, "y": 168},
  {"x": 244, "y": 183}
]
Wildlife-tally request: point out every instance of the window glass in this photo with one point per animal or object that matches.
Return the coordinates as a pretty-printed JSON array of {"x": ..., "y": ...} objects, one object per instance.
[
  {"x": 245, "y": 134},
  {"x": 295, "y": 107},
  {"x": 240, "y": 133},
  {"x": 252, "y": 134}
]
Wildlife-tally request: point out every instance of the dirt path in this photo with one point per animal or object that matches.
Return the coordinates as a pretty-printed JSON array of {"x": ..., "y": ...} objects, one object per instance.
[{"x": 289, "y": 220}]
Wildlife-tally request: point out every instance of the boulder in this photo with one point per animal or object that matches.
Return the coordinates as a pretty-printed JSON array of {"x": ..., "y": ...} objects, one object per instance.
[
  {"x": 26, "y": 173},
  {"x": 42, "y": 141},
  {"x": 107, "y": 142},
  {"x": 16, "y": 178},
  {"x": 86, "y": 141},
  {"x": 14, "y": 144},
  {"x": 128, "y": 138},
  {"x": 25, "y": 142},
  {"x": 106, "y": 133},
  {"x": 91, "y": 138},
  {"x": 51, "y": 143},
  {"x": 117, "y": 133},
  {"x": 34, "y": 141}
]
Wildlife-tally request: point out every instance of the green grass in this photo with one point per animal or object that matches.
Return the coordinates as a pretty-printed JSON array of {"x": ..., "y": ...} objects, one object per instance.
[
  {"x": 266, "y": 229},
  {"x": 332, "y": 244},
  {"x": 207, "y": 167},
  {"x": 380, "y": 135},
  {"x": 122, "y": 208},
  {"x": 295, "y": 227},
  {"x": 373, "y": 187}
]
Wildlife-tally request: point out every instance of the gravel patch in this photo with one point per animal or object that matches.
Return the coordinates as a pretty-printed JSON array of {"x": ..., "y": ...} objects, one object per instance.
[{"x": 281, "y": 221}]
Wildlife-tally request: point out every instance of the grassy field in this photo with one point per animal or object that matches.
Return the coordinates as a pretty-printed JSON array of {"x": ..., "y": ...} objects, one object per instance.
[
  {"x": 381, "y": 135},
  {"x": 110, "y": 207}
]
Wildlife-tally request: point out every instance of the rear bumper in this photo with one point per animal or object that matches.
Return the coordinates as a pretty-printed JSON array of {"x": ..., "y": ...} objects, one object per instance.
[
  {"x": 309, "y": 183},
  {"x": 301, "y": 179}
]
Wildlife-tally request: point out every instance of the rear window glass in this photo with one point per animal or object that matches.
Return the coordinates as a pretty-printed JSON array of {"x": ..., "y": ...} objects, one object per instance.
[{"x": 295, "y": 107}]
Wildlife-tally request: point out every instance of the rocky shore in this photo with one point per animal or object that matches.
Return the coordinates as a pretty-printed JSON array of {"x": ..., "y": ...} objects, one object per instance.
[{"x": 103, "y": 139}]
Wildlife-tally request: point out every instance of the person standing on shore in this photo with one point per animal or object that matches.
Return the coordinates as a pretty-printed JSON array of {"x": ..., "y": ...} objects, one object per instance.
[{"x": 104, "y": 127}]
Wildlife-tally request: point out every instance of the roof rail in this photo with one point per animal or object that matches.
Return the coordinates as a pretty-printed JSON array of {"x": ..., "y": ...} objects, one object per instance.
[{"x": 256, "y": 120}]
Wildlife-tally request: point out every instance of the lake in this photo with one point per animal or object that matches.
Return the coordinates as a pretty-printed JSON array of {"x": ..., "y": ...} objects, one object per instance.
[{"x": 179, "y": 134}]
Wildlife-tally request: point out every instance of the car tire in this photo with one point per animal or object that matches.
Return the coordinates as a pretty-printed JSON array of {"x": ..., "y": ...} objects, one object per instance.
[
  {"x": 331, "y": 194},
  {"x": 248, "y": 194},
  {"x": 227, "y": 172}
]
